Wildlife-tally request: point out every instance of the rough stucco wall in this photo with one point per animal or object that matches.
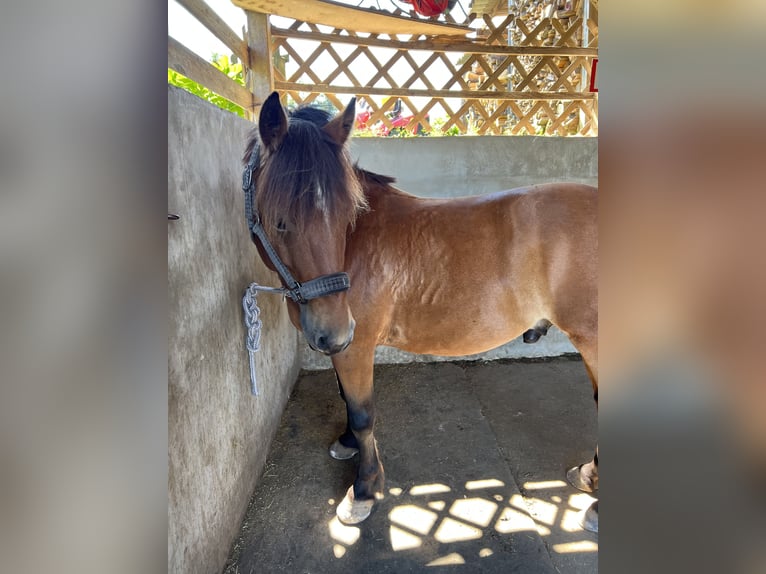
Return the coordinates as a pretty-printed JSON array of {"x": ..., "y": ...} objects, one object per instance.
[
  {"x": 218, "y": 434},
  {"x": 458, "y": 166}
]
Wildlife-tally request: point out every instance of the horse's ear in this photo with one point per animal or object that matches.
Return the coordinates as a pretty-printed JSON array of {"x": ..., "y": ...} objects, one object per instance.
[
  {"x": 272, "y": 122},
  {"x": 341, "y": 125}
]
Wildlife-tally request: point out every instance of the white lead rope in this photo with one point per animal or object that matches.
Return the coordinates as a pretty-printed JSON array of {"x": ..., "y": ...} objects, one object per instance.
[{"x": 253, "y": 325}]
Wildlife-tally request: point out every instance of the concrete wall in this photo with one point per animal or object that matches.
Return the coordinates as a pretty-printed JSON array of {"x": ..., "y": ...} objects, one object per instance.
[
  {"x": 218, "y": 434},
  {"x": 455, "y": 166}
]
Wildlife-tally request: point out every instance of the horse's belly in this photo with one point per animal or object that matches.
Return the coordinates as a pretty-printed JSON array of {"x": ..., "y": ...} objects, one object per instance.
[{"x": 451, "y": 333}]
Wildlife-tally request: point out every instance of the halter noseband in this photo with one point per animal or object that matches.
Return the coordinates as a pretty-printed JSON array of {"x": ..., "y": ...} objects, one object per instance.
[{"x": 298, "y": 292}]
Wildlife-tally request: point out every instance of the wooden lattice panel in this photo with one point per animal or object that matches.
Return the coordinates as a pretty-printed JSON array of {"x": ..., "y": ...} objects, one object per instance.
[{"x": 537, "y": 86}]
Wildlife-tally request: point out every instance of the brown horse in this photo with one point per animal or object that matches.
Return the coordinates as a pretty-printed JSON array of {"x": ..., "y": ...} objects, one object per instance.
[{"x": 447, "y": 277}]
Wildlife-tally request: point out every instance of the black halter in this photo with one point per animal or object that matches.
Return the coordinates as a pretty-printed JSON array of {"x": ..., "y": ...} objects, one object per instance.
[{"x": 300, "y": 293}]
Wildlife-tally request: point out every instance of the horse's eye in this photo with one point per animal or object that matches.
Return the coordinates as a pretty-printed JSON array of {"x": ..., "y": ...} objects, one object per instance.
[{"x": 281, "y": 226}]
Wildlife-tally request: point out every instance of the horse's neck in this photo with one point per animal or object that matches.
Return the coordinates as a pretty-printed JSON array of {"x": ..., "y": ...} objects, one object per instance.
[
  {"x": 387, "y": 207},
  {"x": 383, "y": 197}
]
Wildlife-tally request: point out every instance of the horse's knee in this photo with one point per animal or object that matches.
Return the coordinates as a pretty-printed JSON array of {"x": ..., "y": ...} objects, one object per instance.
[{"x": 361, "y": 418}]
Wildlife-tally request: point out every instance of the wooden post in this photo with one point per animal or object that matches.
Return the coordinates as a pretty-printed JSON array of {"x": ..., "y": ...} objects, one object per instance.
[
  {"x": 583, "y": 70},
  {"x": 260, "y": 78},
  {"x": 585, "y": 30}
]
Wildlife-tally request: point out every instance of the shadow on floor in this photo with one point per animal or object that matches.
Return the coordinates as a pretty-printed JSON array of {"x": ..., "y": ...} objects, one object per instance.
[{"x": 475, "y": 455}]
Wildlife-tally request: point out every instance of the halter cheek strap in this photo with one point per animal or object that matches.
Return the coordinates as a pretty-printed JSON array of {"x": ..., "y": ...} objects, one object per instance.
[{"x": 300, "y": 293}]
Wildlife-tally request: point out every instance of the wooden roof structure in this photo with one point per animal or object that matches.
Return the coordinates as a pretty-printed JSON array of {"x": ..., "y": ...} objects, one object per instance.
[
  {"x": 520, "y": 73},
  {"x": 351, "y": 17},
  {"x": 482, "y": 7}
]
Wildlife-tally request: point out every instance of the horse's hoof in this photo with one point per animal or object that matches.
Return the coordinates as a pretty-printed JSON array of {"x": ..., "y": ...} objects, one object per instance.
[
  {"x": 352, "y": 511},
  {"x": 589, "y": 519},
  {"x": 340, "y": 452},
  {"x": 574, "y": 477}
]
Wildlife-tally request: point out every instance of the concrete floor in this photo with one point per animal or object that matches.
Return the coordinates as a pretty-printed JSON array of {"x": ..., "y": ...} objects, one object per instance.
[{"x": 474, "y": 453}]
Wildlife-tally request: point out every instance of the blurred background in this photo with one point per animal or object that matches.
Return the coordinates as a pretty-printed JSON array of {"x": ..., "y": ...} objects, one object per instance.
[{"x": 83, "y": 287}]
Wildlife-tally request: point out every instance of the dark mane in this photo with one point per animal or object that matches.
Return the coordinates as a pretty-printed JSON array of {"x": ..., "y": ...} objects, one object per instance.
[
  {"x": 385, "y": 180},
  {"x": 309, "y": 175}
]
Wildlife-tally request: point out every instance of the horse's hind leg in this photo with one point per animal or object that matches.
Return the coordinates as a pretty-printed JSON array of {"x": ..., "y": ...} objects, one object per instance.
[
  {"x": 585, "y": 476},
  {"x": 355, "y": 369}
]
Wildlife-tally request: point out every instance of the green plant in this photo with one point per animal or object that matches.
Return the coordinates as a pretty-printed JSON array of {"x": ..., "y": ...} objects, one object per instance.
[
  {"x": 438, "y": 123},
  {"x": 224, "y": 64}
]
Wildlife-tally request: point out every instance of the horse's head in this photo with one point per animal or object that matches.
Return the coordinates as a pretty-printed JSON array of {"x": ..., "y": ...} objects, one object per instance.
[{"x": 307, "y": 195}]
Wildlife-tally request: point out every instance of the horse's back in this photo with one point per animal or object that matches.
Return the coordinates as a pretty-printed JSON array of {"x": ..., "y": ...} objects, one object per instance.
[{"x": 560, "y": 204}]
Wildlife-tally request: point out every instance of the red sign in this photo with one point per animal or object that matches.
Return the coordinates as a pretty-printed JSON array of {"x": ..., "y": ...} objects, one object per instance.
[{"x": 593, "y": 67}]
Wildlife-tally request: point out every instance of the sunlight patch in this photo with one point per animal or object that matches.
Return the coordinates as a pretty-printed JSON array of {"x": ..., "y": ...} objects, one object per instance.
[
  {"x": 542, "y": 511},
  {"x": 543, "y": 484},
  {"x": 454, "y": 531},
  {"x": 338, "y": 550},
  {"x": 339, "y": 532},
  {"x": 414, "y": 517},
  {"x": 435, "y": 488},
  {"x": 401, "y": 540},
  {"x": 579, "y": 546},
  {"x": 437, "y": 505},
  {"x": 580, "y": 501},
  {"x": 570, "y": 521},
  {"x": 512, "y": 520},
  {"x": 448, "y": 560},
  {"x": 518, "y": 501},
  {"x": 486, "y": 483},
  {"x": 476, "y": 510}
]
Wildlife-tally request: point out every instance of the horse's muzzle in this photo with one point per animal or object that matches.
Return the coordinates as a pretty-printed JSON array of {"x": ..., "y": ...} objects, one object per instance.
[{"x": 329, "y": 344}]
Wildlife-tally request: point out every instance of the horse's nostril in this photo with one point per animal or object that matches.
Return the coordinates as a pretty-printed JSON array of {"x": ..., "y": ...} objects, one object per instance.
[{"x": 322, "y": 342}]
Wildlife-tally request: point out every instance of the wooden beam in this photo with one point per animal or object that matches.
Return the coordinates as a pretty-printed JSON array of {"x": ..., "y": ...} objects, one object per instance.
[
  {"x": 343, "y": 16},
  {"x": 186, "y": 62},
  {"x": 438, "y": 44},
  {"x": 213, "y": 22},
  {"x": 482, "y": 7},
  {"x": 464, "y": 94},
  {"x": 260, "y": 76}
]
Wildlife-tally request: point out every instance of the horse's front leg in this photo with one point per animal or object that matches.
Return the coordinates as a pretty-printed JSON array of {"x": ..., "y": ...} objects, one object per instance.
[
  {"x": 354, "y": 369},
  {"x": 346, "y": 445}
]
